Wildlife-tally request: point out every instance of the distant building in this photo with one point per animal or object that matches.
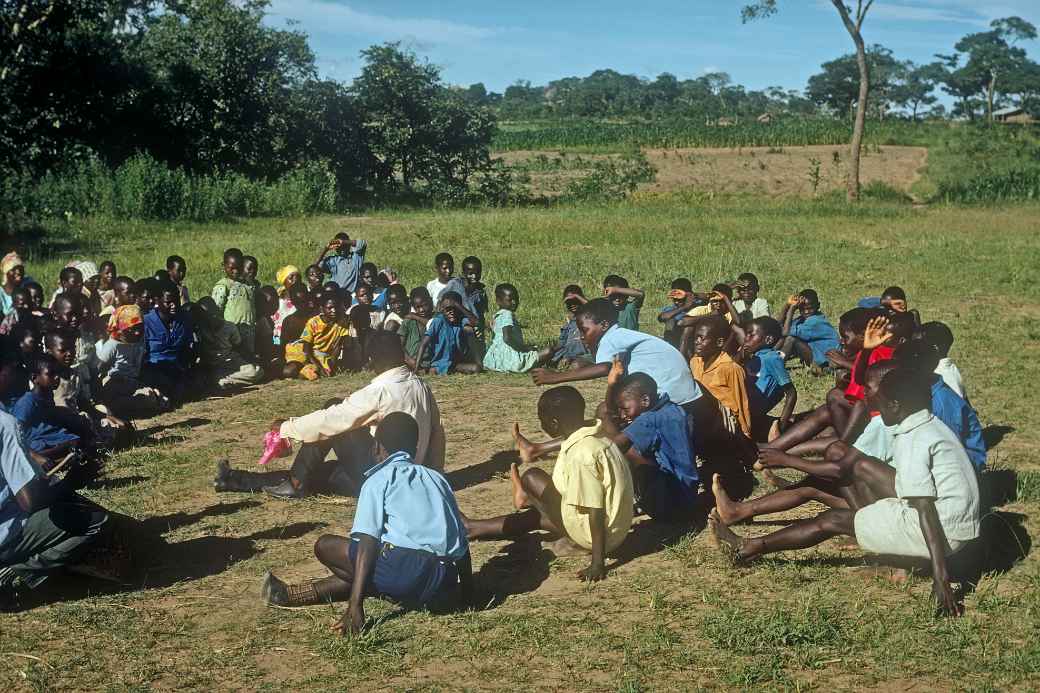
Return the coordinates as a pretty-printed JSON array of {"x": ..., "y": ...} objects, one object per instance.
[
  {"x": 1012, "y": 114},
  {"x": 765, "y": 118}
]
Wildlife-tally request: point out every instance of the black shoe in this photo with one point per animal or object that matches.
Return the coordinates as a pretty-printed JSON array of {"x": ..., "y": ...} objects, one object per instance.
[
  {"x": 285, "y": 491},
  {"x": 274, "y": 591},
  {"x": 222, "y": 481}
]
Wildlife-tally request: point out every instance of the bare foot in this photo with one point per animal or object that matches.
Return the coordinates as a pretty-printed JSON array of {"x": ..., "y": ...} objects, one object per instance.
[
  {"x": 897, "y": 576},
  {"x": 726, "y": 510},
  {"x": 774, "y": 431},
  {"x": 520, "y": 499},
  {"x": 523, "y": 445},
  {"x": 725, "y": 538},
  {"x": 776, "y": 481},
  {"x": 564, "y": 547}
]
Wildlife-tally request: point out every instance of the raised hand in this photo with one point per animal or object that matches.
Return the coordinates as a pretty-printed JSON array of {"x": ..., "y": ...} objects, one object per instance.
[
  {"x": 617, "y": 372},
  {"x": 877, "y": 333}
]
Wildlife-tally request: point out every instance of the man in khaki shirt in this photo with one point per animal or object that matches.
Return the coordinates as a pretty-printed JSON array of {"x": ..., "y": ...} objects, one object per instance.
[{"x": 347, "y": 428}]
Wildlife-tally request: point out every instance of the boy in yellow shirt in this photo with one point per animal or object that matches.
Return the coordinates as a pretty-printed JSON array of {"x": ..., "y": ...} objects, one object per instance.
[{"x": 589, "y": 497}]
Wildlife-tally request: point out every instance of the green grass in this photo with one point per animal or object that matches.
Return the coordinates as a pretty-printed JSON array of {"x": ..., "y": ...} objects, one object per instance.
[{"x": 677, "y": 618}]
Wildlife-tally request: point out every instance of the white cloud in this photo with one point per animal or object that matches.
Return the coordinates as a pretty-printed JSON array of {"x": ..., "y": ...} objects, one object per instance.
[
  {"x": 971, "y": 12},
  {"x": 326, "y": 17}
]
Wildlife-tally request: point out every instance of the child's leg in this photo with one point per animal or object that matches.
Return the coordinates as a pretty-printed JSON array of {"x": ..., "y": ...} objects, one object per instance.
[
  {"x": 800, "y": 535},
  {"x": 534, "y": 488},
  {"x": 731, "y": 512},
  {"x": 334, "y": 553},
  {"x": 531, "y": 451},
  {"x": 805, "y": 429},
  {"x": 816, "y": 446},
  {"x": 467, "y": 368},
  {"x": 840, "y": 409}
]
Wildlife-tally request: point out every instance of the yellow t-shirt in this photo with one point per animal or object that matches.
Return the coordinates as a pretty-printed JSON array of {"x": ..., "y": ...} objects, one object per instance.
[{"x": 591, "y": 472}]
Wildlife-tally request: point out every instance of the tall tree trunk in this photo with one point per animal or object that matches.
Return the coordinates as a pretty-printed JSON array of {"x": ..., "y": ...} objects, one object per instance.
[
  {"x": 989, "y": 93},
  {"x": 852, "y": 184}
]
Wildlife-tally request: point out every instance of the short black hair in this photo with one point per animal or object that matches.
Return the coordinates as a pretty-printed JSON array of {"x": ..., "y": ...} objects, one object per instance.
[
  {"x": 53, "y": 335},
  {"x": 123, "y": 279},
  {"x": 639, "y": 384},
  {"x": 44, "y": 362},
  {"x": 342, "y": 236},
  {"x": 233, "y": 253},
  {"x": 73, "y": 299},
  {"x": 572, "y": 289},
  {"x": 724, "y": 289},
  {"x": 717, "y": 325},
  {"x": 385, "y": 348},
  {"x": 770, "y": 326},
  {"x": 147, "y": 284},
  {"x": 918, "y": 355},
  {"x": 751, "y": 280},
  {"x": 472, "y": 260},
  {"x": 298, "y": 294},
  {"x": 939, "y": 336},
  {"x": 107, "y": 263},
  {"x": 910, "y": 386},
  {"x": 453, "y": 295},
  {"x": 67, "y": 273},
  {"x": 504, "y": 287},
  {"x": 856, "y": 319},
  {"x": 598, "y": 310},
  {"x": 615, "y": 280},
  {"x": 895, "y": 292},
  {"x": 371, "y": 266},
  {"x": 561, "y": 402},
  {"x": 902, "y": 324},
  {"x": 166, "y": 286},
  {"x": 251, "y": 258},
  {"x": 397, "y": 290},
  {"x": 811, "y": 297},
  {"x": 398, "y": 432},
  {"x": 175, "y": 260},
  {"x": 420, "y": 292},
  {"x": 682, "y": 283},
  {"x": 317, "y": 267},
  {"x": 441, "y": 257}
]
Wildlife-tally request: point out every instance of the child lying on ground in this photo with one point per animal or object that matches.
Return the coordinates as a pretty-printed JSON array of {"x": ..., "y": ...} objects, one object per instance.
[
  {"x": 508, "y": 352},
  {"x": 589, "y": 497}
]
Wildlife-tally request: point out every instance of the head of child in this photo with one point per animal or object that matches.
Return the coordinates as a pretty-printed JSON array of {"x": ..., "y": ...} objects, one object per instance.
[
  {"x": 808, "y": 302},
  {"x": 716, "y": 303},
  {"x": 902, "y": 391},
  {"x": 709, "y": 337},
  {"x": 36, "y": 296},
  {"x": 368, "y": 274},
  {"x": 561, "y": 411},
  {"x": 851, "y": 325},
  {"x": 397, "y": 432},
  {"x": 145, "y": 294},
  {"x": 571, "y": 303},
  {"x": 71, "y": 280},
  {"x": 25, "y": 338},
  {"x": 444, "y": 265},
  {"x": 315, "y": 277},
  {"x": 894, "y": 299},
  {"x": 594, "y": 319},
  {"x": 762, "y": 333},
  {"x": 15, "y": 274},
  {"x": 614, "y": 281},
  {"x": 342, "y": 244},
  {"x": 636, "y": 393},
  {"x": 450, "y": 307},
  {"x": 10, "y": 365},
  {"x": 901, "y": 326},
  {"x": 397, "y": 300},
  {"x": 472, "y": 270},
  {"x": 507, "y": 297},
  {"x": 61, "y": 344},
  {"x": 68, "y": 311},
  {"x": 46, "y": 373},
  {"x": 106, "y": 275},
  {"x": 422, "y": 302},
  {"x": 385, "y": 351},
  {"x": 250, "y": 268},
  {"x": 331, "y": 308},
  {"x": 363, "y": 294},
  {"x": 748, "y": 288},
  {"x": 20, "y": 299},
  {"x": 176, "y": 269},
  {"x": 938, "y": 336},
  {"x": 233, "y": 261},
  {"x": 167, "y": 300},
  {"x": 123, "y": 288},
  {"x": 303, "y": 300},
  {"x": 681, "y": 284},
  {"x": 287, "y": 277}
]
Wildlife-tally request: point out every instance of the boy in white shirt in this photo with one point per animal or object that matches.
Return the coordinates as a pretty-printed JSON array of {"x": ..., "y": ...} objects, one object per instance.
[{"x": 939, "y": 336}]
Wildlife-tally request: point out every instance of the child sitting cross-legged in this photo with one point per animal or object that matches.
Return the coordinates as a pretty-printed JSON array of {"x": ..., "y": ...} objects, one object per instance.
[
  {"x": 444, "y": 345},
  {"x": 413, "y": 327},
  {"x": 508, "y": 352},
  {"x": 220, "y": 359},
  {"x": 655, "y": 435},
  {"x": 119, "y": 361},
  {"x": 317, "y": 352},
  {"x": 589, "y": 497}
]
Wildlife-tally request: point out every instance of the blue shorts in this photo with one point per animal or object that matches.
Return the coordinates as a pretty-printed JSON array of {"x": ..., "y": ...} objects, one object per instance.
[{"x": 410, "y": 577}]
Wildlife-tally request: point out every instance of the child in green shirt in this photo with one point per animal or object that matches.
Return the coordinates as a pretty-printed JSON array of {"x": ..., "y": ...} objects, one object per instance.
[
  {"x": 235, "y": 299},
  {"x": 627, "y": 301}
]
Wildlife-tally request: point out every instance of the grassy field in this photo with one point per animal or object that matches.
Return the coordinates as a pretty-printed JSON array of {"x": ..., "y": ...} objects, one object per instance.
[{"x": 672, "y": 614}]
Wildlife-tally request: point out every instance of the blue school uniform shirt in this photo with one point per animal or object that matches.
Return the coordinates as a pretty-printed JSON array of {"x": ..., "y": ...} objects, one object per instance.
[
  {"x": 16, "y": 470},
  {"x": 644, "y": 353},
  {"x": 819, "y": 334},
  {"x": 770, "y": 375},
  {"x": 346, "y": 270},
  {"x": 167, "y": 344},
  {"x": 32, "y": 410},
  {"x": 445, "y": 342},
  {"x": 958, "y": 415},
  {"x": 661, "y": 434},
  {"x": 411, "y": 506},
  {"x": 869, "y": 302}
]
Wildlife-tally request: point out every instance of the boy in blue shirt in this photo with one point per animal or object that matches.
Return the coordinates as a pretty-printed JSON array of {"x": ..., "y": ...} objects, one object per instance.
[
  {"x": 408, "y": 542},
  {"x": 683, "y": 301},
  {"x": 657, "y": 439},
  {"x": 809, "y": 336},
  {"x": 444, "y": 343},
  {"x": 765, "y": 367},
  {"x": 344, "y": 265}
]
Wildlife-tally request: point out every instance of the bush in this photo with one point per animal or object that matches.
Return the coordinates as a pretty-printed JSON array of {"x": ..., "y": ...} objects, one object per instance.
[{"x": 613, "y": 178}]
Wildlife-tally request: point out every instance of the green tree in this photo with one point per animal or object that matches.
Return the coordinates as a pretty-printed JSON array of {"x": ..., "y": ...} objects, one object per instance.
[
  {"x": 837, "y": 85},
  {"x": 993, "y": 57},
  {"x": 853, "y": 22},
  {"x": 915, "y": 88}
]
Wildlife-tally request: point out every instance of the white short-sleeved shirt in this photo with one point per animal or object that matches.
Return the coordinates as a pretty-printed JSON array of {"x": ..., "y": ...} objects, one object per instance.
[
  {"x": 16, "y": 470},
  {"x": 951, "y": 375},
  {"x": 759, "y": 307},
  {"x": 876, "y": 440},
  {"x": 930, "y": 462},
  {"x": 644, "y": 353}
]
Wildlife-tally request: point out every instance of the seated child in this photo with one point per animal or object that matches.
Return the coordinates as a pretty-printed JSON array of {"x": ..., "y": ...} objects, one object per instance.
[
  {"x": 656, "y": 438},
  {"x": 176, "y": 271},
  {"x": 119, "y": 362},
  {"x": 105, "y": 291},
  {"x": 144, "y": 295},
  {"x": 288, "y": 277},
  {"x": 220, "y": 357},
  {"x": 48, "y": 431},
  {"x": 365, "y": 310},
  {"x": 444, "y": 265},
  {"x": 396, "y": 308},
  {"x": 683, "y": 301},
  {"x": 315, "y": 278},
  {"x": 765, "y": 367},
  {"x": 444, "y": 342},
  {"x": 570, "y": 350},
  {"x": 36, "y": 299},
  {"x": 476, "y": 298},
  {"x": 70, "y": 281},
  {"x": 627, "y": 301},
  {"x": 720, "y": 305},
  {"x": 413, "y": 327},
  {"x": 266, "y": 305},
  {"x": 589, "y": 497},
  {"x": 24, "y": 342},
  {"x": 235, "y": 297},
  {"x": 508, "y": 352},
  {"x": 250, "y": 270},
  {"x": 170, "y": 340},
  {"x": 809, "y": 336},
  {"x": 369, "y": 276},
  {"x": 317, "y": 352},
  {"x": 408, "y": 542},
  {"x": 940, "y": 337},
  {"x": 926, "y": 505},
  {"x": 749, "y": 304},
  {"x": 716, "y": 371}
]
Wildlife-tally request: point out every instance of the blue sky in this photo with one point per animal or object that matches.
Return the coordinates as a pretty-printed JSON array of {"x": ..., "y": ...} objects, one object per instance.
[{"x": 498, "y": 43}]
